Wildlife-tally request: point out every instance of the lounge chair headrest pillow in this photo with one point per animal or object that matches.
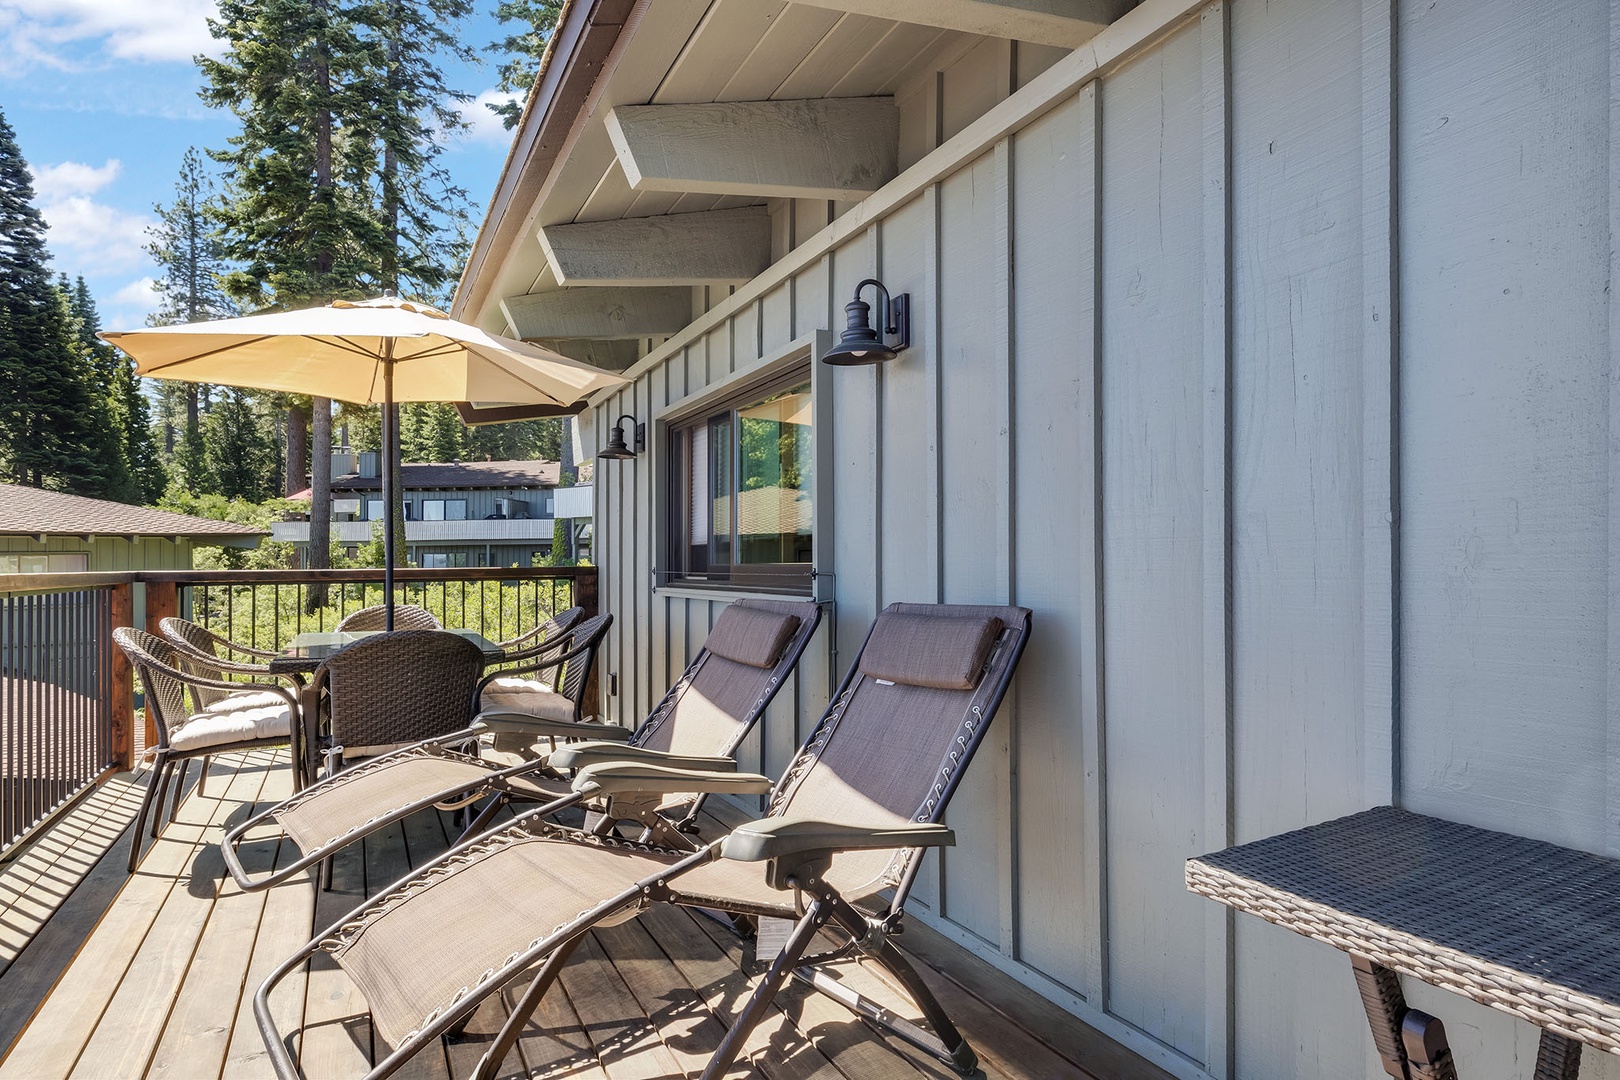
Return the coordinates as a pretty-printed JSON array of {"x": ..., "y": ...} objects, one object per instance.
[
  {"x": 751, "y": 636},
  {"x": 946, "y": 652}
]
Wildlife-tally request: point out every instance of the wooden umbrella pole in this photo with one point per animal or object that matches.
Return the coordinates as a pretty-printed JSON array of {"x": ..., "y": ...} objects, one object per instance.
[{"x": 390, "y": 433}]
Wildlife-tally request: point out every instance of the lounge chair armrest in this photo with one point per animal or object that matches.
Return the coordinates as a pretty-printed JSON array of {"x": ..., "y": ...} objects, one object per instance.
[
  {"x": 636, "y": 778},
  {"x": 541, "y": 728},
  {"x": 579, "y": 755},
  {"x": 774, "y": 838}
]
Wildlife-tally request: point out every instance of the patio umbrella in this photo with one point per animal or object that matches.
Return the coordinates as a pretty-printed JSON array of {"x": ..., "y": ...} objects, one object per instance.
[{"x": 378, "y": 351}]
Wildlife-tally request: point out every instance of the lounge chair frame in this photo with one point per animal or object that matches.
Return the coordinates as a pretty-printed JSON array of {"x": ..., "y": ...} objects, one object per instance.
[
  {"x": 498, "y": 782},
  {"x": 868, "y": 934}
]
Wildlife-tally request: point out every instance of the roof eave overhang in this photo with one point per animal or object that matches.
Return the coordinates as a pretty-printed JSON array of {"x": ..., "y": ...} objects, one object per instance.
[{"x": 587, "y": 31}]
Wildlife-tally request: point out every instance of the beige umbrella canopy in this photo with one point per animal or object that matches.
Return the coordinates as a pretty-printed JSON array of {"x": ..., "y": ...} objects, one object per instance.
[
  {"x": 345, "y": 351},
  {"x": 378, "y": 351}
]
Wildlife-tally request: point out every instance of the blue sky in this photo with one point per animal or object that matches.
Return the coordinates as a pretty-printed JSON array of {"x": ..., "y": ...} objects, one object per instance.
[{"x": 103, "y": 97}]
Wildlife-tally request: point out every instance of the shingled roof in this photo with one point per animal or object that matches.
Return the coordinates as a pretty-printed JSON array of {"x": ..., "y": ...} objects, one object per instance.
[{"x": 27, "y": 511}]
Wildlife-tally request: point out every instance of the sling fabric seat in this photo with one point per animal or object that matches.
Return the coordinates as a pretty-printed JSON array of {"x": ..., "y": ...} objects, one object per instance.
[
  {"x": 849, "y": 819},
  {"x": 705, "y": 715}
]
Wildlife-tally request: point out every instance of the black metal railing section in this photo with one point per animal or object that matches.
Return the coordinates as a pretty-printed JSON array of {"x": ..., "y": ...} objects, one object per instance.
[
  {"x": 67, "y": 697},
  {"x": 56, "y": 712},
  {"x": 267, "y": 609}
]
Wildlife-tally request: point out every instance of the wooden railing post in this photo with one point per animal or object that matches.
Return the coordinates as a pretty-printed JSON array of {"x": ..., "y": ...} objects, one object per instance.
[
  {"x": 162, "y": 602},
  {"x": 122, "y": 684},
  {"x": 590, "y": 703}
]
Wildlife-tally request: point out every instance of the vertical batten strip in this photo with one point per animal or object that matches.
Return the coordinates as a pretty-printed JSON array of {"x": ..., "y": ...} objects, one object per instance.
[
  {"x": 1612, "y": 840},
  {"x": 874, "y": 243},
  {"x": 1380, "y": 467},
  {"x": 1006, "y": 352},
  {"x": 935, "y": 361},
  {"x": 1219, "y": 1043},
  {"x": 1089, "y": 559}
]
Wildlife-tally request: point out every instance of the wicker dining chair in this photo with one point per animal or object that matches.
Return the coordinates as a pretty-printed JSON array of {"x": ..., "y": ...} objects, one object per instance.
[
  {"x": 836, "y": 853},
  {"x": 406, "y": 617},
  {"x": 547, "y": 631},
  {"x": 546, "y": 680},
  {"x": 746, "y": 659},
  {"x": 392, "y": 690},
  {"x": 191, "y": 731}
]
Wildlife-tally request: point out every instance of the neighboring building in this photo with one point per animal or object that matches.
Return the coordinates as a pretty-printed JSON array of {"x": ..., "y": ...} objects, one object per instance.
[
  {"x": 52, "y": 532},
  {"x": 464, "y": 513},
  {"x": 1267, "y": 351}
]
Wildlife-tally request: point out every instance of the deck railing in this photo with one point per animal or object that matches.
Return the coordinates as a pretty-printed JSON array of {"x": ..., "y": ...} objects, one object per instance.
[
  {"x": 57, "y": 723},
  {"x": 67, "y": 716}
]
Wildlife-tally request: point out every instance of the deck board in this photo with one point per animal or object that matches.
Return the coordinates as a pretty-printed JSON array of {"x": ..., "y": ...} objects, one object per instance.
[{"x": 163, "y": 982}]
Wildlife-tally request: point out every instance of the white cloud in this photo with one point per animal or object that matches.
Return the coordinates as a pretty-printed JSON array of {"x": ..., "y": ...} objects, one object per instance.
[
  {"x": 55, "y": 182},
  {"x": 87, "y": 236},
  {"x": 141, "y": 293},
  {"x": 484, "y": 125},
  {"x": 164, "y": 30}
]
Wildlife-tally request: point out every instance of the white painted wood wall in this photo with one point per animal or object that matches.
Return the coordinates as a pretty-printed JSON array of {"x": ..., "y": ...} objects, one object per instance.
[{"x": 1274, "y": 368}]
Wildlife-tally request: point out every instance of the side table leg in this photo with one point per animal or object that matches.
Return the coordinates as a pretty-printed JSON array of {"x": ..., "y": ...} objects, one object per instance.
[
  {"x": 1428, "y": 1055},
  {"x": 1558, "y": 1058},
  {"x": 1385, "y": 1004}
]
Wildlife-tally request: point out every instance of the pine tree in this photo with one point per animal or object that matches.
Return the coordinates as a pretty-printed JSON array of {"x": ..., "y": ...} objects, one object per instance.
[
  {"x": 239, "y": 456},
  {"x": 45, "y": 437},
  {"x": 536, "y": 20},
  {"x": 120, "y": 420},
  {"x": 188, "y": 248}
]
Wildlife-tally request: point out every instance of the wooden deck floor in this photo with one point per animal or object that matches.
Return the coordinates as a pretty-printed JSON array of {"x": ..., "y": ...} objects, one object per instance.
[{"x": 157, "y": 980}]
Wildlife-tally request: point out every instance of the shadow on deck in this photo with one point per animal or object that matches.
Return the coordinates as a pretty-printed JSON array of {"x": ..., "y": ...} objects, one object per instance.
[{"x": 105, "y": 975}]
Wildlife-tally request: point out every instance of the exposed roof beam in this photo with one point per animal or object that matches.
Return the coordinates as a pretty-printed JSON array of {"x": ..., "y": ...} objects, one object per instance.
[
  {"x": 716, "y": 247},
  {"x": 599, "y": 313},
  {"x": 826, "y": 148},
  {"x": 610, "y": 354},
  {"x": 1067, "y": 23}
]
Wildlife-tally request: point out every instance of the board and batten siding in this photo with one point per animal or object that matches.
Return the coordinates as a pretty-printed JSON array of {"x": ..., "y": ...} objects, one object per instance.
[{"x": 1266, "y": 352}]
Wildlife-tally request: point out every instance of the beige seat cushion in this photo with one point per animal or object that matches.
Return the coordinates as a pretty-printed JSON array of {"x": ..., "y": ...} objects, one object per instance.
[
  {"x": 247, "y": 699},
  {"x": 233, "y": 726},
  {"x": 526, "y": 696}
]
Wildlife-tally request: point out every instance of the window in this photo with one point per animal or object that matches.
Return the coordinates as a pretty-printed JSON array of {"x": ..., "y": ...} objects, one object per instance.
[
  {"x": 443, "y": 560},
  {"x": 444, "y": 509},
  {"x": 741, "y": 484},
  {"x": 374, "y": 510},
  {"x": 70, "y": 563}
]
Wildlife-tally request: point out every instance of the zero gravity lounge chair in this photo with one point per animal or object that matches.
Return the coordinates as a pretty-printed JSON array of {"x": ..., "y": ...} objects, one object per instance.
[
  {"x": 849, "y": 820},
  {"x": 754, "y": 646}
]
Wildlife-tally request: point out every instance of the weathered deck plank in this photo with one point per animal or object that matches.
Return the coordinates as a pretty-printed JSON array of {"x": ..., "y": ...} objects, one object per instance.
[{"x": 163, "y": 985}]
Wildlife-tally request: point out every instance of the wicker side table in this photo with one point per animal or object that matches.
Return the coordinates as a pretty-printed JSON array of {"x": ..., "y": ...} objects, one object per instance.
[{"x": 1527, "y": 927}]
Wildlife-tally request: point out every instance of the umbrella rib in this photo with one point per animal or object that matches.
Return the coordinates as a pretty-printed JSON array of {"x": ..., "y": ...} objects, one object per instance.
[{"x": 206, "y": 355}]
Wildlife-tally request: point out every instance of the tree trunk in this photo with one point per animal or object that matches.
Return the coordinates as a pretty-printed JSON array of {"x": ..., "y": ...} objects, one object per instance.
[
  {"x": 565, "y": 478},
  {"x": 320, "y": 501},
  {"x": 297, "y": 450}
]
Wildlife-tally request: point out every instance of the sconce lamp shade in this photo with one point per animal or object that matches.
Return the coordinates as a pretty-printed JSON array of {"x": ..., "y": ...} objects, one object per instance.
[
  {"x": 616, "y": 448},
  {"x": 861, "y": 342}
]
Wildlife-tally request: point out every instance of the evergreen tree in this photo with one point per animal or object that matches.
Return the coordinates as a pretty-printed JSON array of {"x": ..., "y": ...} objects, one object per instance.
[
  {"x": 120, "y": 419},
  {"x": 190, "y": 252},
  {"x": 45, "y": 437},
  {"x": 522, "y": 50},
  {"x": 239, "y": 455}
]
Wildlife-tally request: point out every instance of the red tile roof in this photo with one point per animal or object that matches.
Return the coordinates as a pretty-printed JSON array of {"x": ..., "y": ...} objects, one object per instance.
[{"x": 27, "y": 511}]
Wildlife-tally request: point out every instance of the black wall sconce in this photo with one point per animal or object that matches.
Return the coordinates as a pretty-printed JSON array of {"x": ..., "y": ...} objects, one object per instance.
[
  {"x": 616, "y": 449},
  {"x": 861, "y": 343}
]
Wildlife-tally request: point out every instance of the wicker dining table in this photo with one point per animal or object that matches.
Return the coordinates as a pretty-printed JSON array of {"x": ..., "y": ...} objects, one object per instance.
[{"x": 1520, "y": 925}]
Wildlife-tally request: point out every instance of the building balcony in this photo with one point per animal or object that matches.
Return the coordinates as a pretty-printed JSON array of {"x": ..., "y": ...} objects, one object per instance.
[{"x": 482, "y": 531}]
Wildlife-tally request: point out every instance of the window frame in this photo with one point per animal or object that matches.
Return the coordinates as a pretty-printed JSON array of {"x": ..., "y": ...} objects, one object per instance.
[{"x": 797, "y": 362}]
